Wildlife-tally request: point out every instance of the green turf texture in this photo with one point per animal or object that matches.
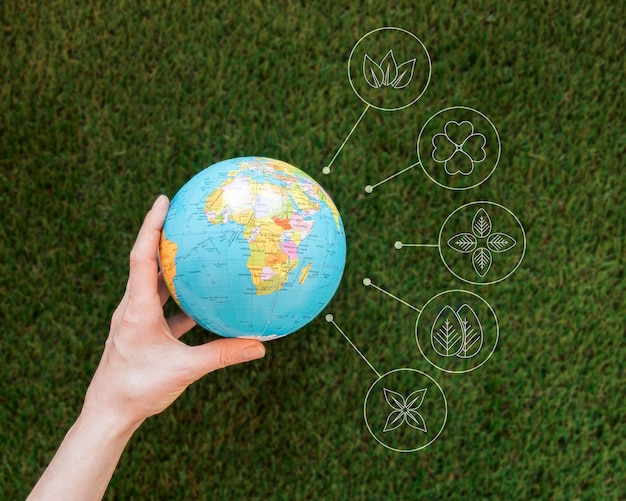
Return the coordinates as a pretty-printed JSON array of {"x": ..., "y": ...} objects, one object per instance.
[{"x": 105, "y": 106}]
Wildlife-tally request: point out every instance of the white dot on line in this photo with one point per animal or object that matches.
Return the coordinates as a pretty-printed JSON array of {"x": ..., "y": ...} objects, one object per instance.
[
  {"x": 367, "y": 282},
  {"x": 369, "y": 189},
  {"x": 329, "y": 318},
  {"x": 398, "y": 245},
  {"x": 326, "y": 170}
]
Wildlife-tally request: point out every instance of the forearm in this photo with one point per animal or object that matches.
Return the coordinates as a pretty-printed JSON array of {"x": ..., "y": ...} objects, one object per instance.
[
  {"x": 82, "y": 467},
  {"x": 143, "y": 369}
]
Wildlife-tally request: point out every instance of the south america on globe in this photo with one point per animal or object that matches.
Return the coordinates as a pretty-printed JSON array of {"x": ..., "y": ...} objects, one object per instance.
[{"x": 252, "y": 247}]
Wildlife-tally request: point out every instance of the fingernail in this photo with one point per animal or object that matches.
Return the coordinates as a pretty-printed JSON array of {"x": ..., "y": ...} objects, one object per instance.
[
  {"x": 252, "y": 353},
  {"x": 161, "y": 199}
]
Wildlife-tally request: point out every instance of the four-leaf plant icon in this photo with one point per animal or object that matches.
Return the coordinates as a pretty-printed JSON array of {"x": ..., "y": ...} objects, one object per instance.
[
  {"x": 404, "y": 410},
  {"x": 481, "y": 242},
  {"x": 388, "y": 73}
]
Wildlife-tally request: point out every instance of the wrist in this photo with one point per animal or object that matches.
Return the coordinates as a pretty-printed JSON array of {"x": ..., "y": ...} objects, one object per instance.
[
  {"x": 113, "y": 426},
  {"x": 83, "y": 465}
]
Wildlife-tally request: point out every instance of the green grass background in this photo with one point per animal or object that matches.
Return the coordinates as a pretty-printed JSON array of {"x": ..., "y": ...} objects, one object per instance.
[{"x": 104, "y": 105}]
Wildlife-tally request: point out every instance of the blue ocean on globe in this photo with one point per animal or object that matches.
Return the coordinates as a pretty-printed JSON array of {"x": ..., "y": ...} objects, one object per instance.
[{"x": 252, "y": 247}]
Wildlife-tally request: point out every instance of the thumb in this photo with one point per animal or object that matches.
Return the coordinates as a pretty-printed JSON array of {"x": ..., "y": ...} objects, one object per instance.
[{"x": 222, "y": 353}]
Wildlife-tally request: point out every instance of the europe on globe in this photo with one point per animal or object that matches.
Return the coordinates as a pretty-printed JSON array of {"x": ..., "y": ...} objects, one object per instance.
[{"x": 252, "y": 247}]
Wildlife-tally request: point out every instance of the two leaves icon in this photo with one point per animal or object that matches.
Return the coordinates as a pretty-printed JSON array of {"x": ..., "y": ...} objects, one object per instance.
[{"x": 457, "y": 333}]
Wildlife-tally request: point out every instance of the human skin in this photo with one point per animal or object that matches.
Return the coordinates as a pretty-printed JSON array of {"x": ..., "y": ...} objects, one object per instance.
[{"x": 143, "y": 369}]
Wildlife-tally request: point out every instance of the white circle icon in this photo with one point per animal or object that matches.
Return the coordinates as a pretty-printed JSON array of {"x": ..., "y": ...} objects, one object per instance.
[
  {"x": 459, "y": 148},
  {"x": 405, "y": 410},
  {"x": 457, "y": 331},
  {"x": 389, "y": 68},
  {"x": 482, "y": 243}
]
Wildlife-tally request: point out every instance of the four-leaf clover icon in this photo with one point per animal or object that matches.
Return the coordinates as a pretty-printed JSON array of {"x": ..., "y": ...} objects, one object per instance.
[
  {"x": 481, "y": 242},
  {"x": 459, "y": 148},
  {"x": 404, "y": 410}
]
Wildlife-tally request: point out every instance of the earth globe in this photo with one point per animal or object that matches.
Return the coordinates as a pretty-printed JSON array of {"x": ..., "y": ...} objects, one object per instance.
[{"x": 252, "y": 247}]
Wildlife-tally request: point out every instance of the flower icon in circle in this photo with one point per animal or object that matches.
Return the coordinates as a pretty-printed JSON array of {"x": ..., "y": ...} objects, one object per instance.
[
  {"x": 481, "y": 242},
  {"x": 459, "y": 148},
  {"x": 404, "y": 410}
]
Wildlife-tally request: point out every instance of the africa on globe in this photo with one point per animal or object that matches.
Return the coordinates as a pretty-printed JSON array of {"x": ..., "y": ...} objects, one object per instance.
[{"x": 252, "y": 247}]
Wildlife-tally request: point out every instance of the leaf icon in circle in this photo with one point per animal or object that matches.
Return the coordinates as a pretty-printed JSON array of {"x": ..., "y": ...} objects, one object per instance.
[
  {"x": 472, "y": 332},
  {"x": 463, "y": 242},
  {"x": 500, "y": 242},
  {"x": 373, "y": 73},
  {"x": 482, "y": 243},
  {"x": 404, "y": 410},
  {"x": 481, "y": 261},
  {"x": 389, "y": 68},
  {"x": 481, "y": 224},
  {"x": 388, "y": 73},
  {"x": 446, "y": 333},
  {"x": 405, "y": 74}
]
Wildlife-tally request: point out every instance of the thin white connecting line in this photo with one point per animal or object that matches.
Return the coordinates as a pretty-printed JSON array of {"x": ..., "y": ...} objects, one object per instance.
[
  {"x": 326, "y": 170},
  {"x": 368, "y": 283},
  {"x": 329, "y": 318},
  {"x": 370, "y": 187},
  {"x": 398, "y": 245}
]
